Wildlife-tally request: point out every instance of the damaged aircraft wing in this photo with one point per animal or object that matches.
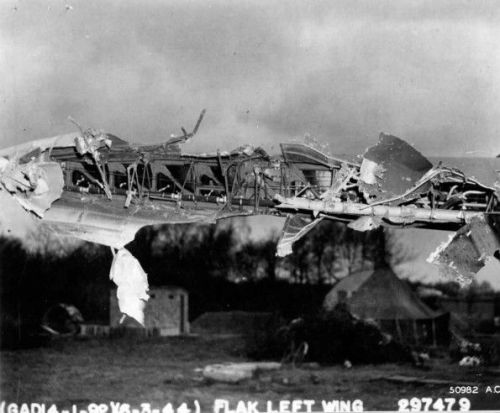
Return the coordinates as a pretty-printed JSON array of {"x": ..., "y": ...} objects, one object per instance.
[{"x": 97, "y": 187}]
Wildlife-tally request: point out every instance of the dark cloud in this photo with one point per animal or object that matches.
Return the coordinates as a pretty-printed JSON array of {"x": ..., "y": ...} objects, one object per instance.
[{"x": 342, "y": 71}]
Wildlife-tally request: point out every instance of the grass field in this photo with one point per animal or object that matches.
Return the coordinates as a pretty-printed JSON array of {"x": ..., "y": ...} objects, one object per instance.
[{"x": 161, "y": 370}]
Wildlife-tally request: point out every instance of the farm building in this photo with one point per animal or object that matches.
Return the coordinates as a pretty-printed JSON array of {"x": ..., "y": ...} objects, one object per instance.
[
  {"x": 231, "y": 322},
  {"x": 380, "y": 295},
  {"x": 166, "y": 312}
]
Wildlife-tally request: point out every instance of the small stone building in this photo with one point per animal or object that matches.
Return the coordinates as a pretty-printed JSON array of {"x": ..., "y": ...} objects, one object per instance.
[{"x": 166, "y": 312}]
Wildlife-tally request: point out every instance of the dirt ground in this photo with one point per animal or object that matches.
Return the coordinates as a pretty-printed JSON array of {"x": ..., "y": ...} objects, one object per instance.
[{"x": 161, "y": 370}]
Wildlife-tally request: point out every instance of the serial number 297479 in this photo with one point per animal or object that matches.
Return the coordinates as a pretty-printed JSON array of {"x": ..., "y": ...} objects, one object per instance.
[{"x": 419, "y": 404}]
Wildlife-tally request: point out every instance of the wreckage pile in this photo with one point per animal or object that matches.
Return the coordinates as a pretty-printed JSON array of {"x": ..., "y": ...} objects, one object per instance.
[{"x": 332, "y": 337}]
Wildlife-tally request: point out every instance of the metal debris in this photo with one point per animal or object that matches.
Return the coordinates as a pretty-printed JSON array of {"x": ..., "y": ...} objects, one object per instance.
[
  {"x": 14, "y": 220},
  {"x": 98, "y": 187},
  {"x": 132, "y": 282},
  {"x": 296, "y": 226},
  {"x": 175, "y": 140},
  {"x": 35, "y": 185},
  {"x": 237, "y": 372},
  {"x": 466, "y": 251},
  {"x": 391, "y": 168}
]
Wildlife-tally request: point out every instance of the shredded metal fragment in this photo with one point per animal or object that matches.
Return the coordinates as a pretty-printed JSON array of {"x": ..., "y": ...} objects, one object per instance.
[
  {"x": 296, "y": 226},
  {"x": 467, "y": 251},
  {"x": 132, "y": 282},
  {"x": 35, "y": 185}
]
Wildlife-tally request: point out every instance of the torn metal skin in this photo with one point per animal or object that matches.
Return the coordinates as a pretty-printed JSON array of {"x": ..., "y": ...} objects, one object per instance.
[
  {"x": 97, "y": 187},
  {"x": 391, "y": 168},
  {"x": 34, "y": 184},
  {"x": 132, "y": 284},
  {"x": 467, "y": 251}
]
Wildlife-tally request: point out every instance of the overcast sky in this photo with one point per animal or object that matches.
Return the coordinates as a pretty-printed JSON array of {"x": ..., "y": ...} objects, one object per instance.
[
  {"x": 427, "y": 71},
  {"x": 341, "y": 71}
]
